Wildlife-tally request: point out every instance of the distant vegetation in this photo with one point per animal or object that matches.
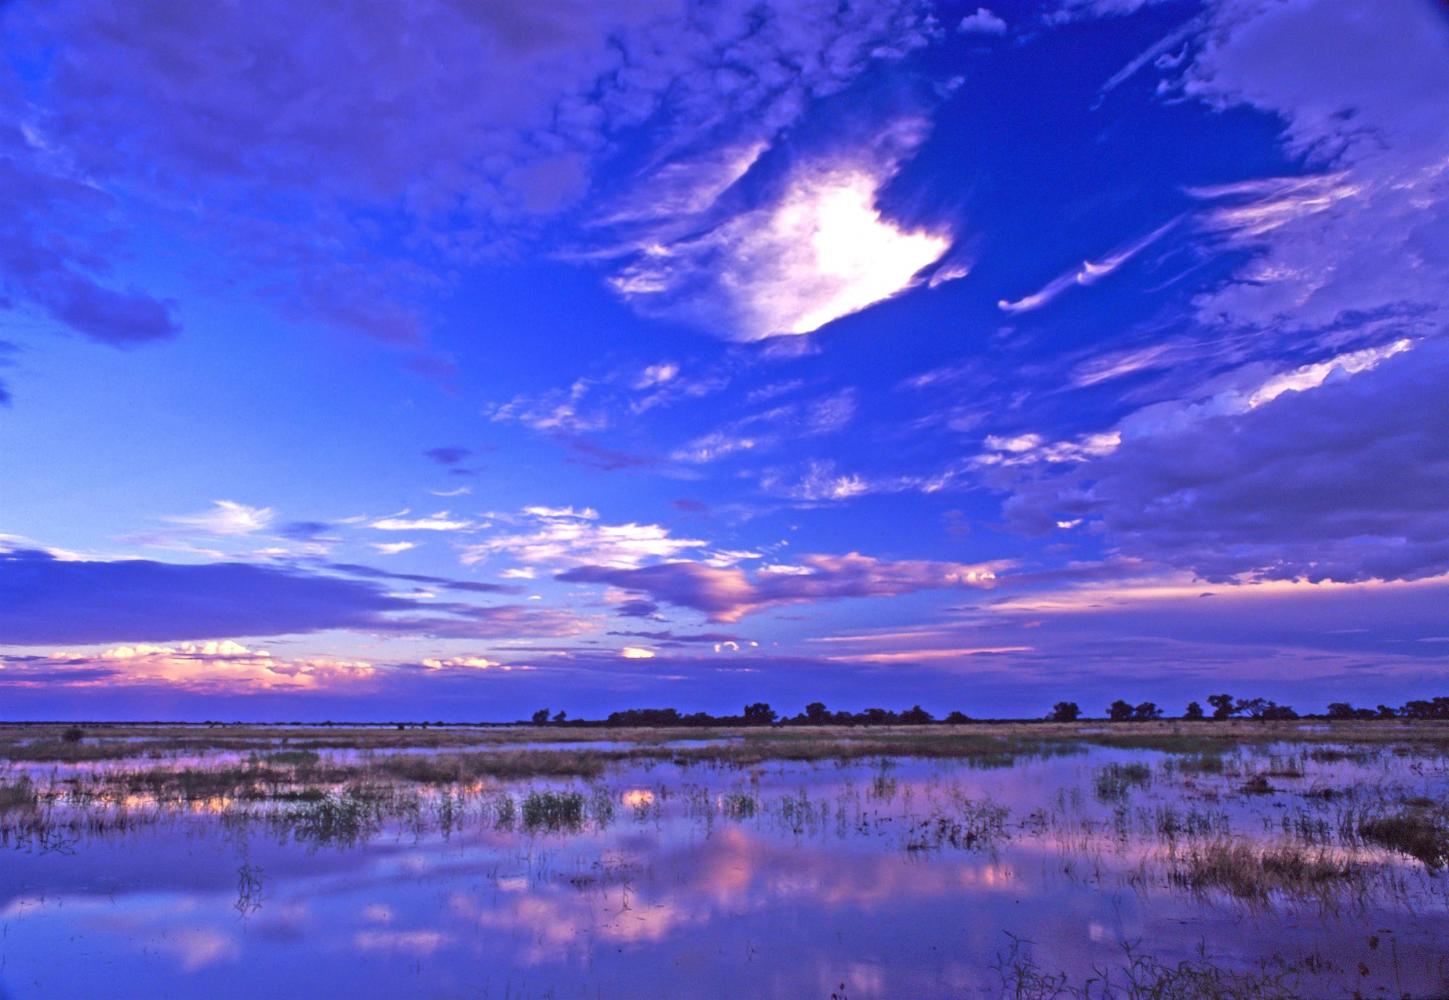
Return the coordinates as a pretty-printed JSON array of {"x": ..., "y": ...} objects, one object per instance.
[{"x": 1224, "y": 706}]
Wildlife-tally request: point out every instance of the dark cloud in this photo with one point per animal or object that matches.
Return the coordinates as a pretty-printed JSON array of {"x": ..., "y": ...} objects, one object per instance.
[
  {"x": 1348, "y": 481},
  {"x": 668, "y": 637},
  {"x": 608, "y": 459},
  {"x": 47, "y": 600},
  {"x": 51, "y": 247},
  {"x": 448, "y": 455},
  {"x": 446, "y": 583},
  {"x": 305, "y": 531},
  {"x": 44, "y": 600}
]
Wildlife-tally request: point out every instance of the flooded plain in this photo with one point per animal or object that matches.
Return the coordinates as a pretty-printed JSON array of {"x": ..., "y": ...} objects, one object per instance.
[{"x": 973, "y": 861}]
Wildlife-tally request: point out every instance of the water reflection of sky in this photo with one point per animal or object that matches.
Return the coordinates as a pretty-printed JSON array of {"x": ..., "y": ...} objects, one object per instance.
[{"x": 676, "y": 896}]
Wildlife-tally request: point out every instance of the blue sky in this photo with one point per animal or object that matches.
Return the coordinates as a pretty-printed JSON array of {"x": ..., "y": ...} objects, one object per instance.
[{"x": 461, "y": 358}]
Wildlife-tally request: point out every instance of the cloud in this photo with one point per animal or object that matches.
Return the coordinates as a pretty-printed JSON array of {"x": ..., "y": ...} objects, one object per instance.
[
  {"x": 295, "y": 137},
  {"x": 818, "y": 481},
  {"x": 727, "y": 594},
  {"x": 983, "y": 22},
  {"x": 1089, "y": 273},
  {"x": 1314, "y": 475},
  {"x": 821, "y": 251},
  {"x": 392, "y": 548},
  {"x": 227, "y": 518},
  {"x": 771, "y": 428},
  {"x": 448, "y": 455},
  {"x": 441, "y": 521},
  {"x": 45, "y": 600},
  {"x": 41, "y": 197},
  {"x": 1358, "y": 89},
  {"x": 565, "y": 537},
  {"x": 213, "y": 667}
]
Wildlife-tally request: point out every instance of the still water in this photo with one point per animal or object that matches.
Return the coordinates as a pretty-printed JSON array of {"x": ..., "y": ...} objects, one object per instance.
[{"x": 884, "y": 878}]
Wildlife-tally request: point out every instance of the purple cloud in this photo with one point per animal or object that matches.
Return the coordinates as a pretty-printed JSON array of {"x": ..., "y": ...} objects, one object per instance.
[
  {"x": 1329, "y": 483},
  {"x": 448, "y": 455},
  {"x": 727, "y": 594},
  {"x": 44, "y": 600}
]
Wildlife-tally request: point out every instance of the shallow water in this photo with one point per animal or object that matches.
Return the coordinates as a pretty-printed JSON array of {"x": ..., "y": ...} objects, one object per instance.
[{"x": 886, "y": 878}]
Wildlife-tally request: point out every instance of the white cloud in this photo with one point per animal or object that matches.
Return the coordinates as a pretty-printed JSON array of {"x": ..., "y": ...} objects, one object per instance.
[
  {"x": 983, "y": 22},
  {"x": 565, "y": 537},
  {"x": 227, "y": 517},
  {"x": 468, "y": 663},
  {"x": 392, "y": 548},
  {"x": 819, "y": 481},
  {"x": 636, "y": 653},
  {"x": 441, "y": 521},
  {"x": 1089, "y": 273},
  {"x": 819, "y": 251}
]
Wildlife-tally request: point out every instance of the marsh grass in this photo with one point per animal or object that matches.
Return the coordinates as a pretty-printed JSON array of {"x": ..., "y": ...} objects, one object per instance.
[
  {"x": 738, "y": 805},
  {"x": 1115, "y": 782},
  {"x": 1144, "y": 977},
  {"x": 1251, "y": 873},
  {"x": 553, "y": 811},
  {"x": 972, "y": 826},
  {"x": 340, "y": 819},
  {"x": 19, "y": 794},
  {"x": 1417, "y": 832}
]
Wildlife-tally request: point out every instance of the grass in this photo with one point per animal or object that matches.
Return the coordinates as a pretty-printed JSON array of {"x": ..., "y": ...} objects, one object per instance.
[
  {"x": 17, "y": 795},
  {"x": 974, "y": 826},
  {"x": 553, "y": 811},
  {"x": 1115, "y": 782},
  {"x": 1250, "y": 873},
  {"x": 990, "y": 744},
  {"x": 1144, "y": 977},
  {"x": 1417, "y": 832}
]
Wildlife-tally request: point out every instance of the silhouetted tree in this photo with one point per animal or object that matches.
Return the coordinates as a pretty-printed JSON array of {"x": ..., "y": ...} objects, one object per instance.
[
  {"x": 957, "y": 717},
  {"x": 1146, "y": 711},
  {"x": 1193, "y": 712},
  {"x": 816, "y": 713},
  {"x": 1223, "y": 705},
  {"x": 1065, "y": 711},
  {"x": 1119, "y": 711},
  {"x": 1385, "y": 712},
  {"x": 540, "y": 717},
  {"x": 1261, "y": 709},
  {"x": 759, "y": 714},
  {"x": 560, "y": 715},
  {"x": 1420, "y": 709},
  {"x": 916, "y": 716}
]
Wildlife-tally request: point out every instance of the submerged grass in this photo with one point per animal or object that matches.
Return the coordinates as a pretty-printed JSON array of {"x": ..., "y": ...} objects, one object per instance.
[
  {"x": 553, "y": 811},
  {"x": 1251, "y": 873},
  {"x": 1417, "y": 832},
  {"x": 1114, "y": 782}
]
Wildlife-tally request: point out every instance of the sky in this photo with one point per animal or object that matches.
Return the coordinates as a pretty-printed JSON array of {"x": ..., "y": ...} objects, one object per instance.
[{"x": 453, "y": 359}]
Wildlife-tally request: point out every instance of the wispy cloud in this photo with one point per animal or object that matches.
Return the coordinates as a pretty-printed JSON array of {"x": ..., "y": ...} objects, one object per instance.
[
  {"x": 1089, "y": 273},
  {"x": 227, "y": 517}
]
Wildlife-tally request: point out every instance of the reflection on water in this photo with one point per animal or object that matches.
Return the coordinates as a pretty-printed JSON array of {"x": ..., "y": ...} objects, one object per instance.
[{"x": 885, "y": 878}]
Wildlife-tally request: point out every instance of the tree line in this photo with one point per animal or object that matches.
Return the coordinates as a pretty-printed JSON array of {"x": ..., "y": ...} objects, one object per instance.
[{"x": 1221, "y": 706}]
